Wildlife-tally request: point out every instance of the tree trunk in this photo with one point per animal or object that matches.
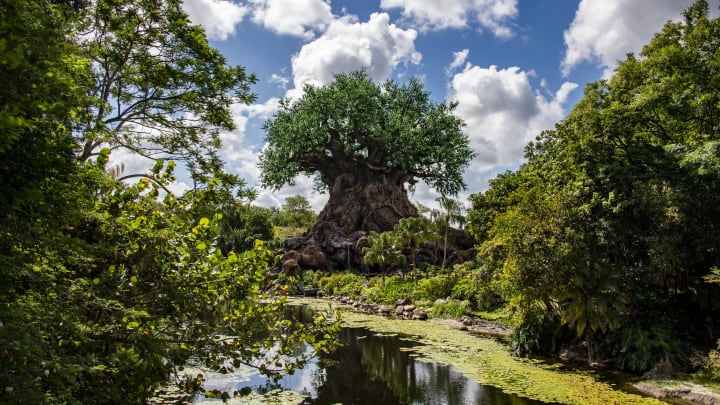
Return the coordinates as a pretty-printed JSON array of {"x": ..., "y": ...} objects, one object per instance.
[{"x": 359, "y": 202}]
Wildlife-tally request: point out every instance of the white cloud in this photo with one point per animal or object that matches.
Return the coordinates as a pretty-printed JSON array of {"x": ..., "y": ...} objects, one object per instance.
[
  {"x": 218, "y": 17},
  {"x": 565, "y": 90},
  {"x": 301, "y": 18},
  {"x": 303, "y": 186},
  {"x": 459, "y": 58},
  {"x": 240, "y": 154},
  {"x": 281, "y": 81},
  {"x": 432, "y": 15},
  {"x": 604, "y": 31},
  {"x": 503, "y": 113},
  {"x": 349, "y": 45}
]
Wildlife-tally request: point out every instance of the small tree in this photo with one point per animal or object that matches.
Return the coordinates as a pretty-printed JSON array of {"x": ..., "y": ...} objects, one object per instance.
[
  {"x": 412, "y": 232},
  {"x": 296, "y": 212},
  {"x": 383, "y": 249},
  {"x": 452, "y": 214}
]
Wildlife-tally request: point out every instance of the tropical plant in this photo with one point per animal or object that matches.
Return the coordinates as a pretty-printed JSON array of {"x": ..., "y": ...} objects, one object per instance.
[
  {"x": 452, "y": 213},
  {"x": 383, "y": 249},
  {"x": 411, "y": 233}
]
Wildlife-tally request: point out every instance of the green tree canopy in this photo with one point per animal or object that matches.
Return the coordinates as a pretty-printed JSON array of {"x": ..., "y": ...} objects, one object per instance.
[
  {"x": 610, "y": 227},
  {"x": 353, "y": 123},
  {"x": 295, "y": 212},
  {"x": 160, "y": 90},
  {"x": 107, "y": 292},
  {"x": 364, "y": 143}
]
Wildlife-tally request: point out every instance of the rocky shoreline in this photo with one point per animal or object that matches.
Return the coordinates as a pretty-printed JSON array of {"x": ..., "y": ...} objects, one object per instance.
[
  {"x": 687, "y": 392},
  {"x": 404, "y": 309}
]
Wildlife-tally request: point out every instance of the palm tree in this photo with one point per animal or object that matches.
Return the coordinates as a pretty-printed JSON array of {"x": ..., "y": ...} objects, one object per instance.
[
  {"x": 383, "y": 249},
  {"x": 452, "y": 214},
  {"x": 591, "y": 301},
  {"x": 413, "y": 232}
]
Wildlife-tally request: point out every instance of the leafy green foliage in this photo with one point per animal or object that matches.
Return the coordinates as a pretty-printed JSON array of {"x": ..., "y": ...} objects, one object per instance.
[
  {"x": 440, "y": 286},
  {"x": 243, "y": 224},
  {"x": 160, "y": 90},
  {"x": 295, "y": 212},
  {"x": 353, "y": 122},
  {"x": 614, "y": 214},
  {"x": 343, "y": 284},
  {"x": 383, "y": 249},
  {"x": 107, "y": 290},
  {"x": 389, "y": 290},
  {"x": 710, "y": 370},
  {"x": 452, "y": 309}
]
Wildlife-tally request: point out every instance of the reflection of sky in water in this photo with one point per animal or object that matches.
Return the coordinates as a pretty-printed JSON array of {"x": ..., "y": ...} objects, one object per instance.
[
  {"x": 370, "y": 370},
  {"x": 303, "y": 381}
]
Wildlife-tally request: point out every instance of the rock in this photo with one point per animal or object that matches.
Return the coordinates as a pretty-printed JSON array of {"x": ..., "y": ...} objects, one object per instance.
[
  {"x": 440, "y": 301},
  {"x": 399, "y": 310},
  {"x": 466, "y": 320},
  {"x": 403, "y": 301},
  {"x": 409, "y": 308},
  {"x": 382, "y": 309},
  {"x": 313, "y": 257},
  {"x": 419, "y": 316},
  {"x": 290, "y": 267}
]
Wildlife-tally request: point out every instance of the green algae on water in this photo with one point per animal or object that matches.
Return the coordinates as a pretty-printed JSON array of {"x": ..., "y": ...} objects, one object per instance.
[{"x": 489, "y": 362}]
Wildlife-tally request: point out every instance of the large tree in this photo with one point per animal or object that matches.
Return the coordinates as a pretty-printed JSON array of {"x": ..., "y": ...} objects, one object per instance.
[
  {"x": 160, "y": 90},
  {"x": 610, "y": 226},
  {"x": 365, "y": 143},
  {"x": 106, "y": 292}
]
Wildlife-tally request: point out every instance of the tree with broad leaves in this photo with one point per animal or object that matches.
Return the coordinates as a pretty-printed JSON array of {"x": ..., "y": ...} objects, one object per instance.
[
  {"x": 365, "y": 143},
  {"x": 160, "y": 90}
]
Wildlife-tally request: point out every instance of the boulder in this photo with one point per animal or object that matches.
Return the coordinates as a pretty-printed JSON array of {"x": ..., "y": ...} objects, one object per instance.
[
  {"x": 290, "y": 267},
  {"x": 419, "y": 316}
]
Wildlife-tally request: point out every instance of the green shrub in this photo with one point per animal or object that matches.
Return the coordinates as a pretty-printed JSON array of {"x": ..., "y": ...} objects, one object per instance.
[
  {"x": 465, "y": 289},
  {"x": 641, "y": 347},
  {"x": 435, "y": 287},
  {"x": 388, "y": 291},
  {"x": 311, "y": 278},
  {"x": 345, "y": 284},
  {"x": 451, "y": 309},
  {"x": 710, "y": 370}
]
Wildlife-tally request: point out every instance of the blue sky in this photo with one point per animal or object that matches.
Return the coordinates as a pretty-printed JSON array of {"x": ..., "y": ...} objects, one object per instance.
[{"x": 516, "y": 67}]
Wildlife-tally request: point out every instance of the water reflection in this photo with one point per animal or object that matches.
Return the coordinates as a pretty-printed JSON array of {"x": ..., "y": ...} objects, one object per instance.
[{"x": 375, "y": 370}]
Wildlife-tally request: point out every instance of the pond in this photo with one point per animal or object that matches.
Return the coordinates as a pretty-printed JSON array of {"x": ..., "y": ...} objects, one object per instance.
[{"x": 375, "y": 369}]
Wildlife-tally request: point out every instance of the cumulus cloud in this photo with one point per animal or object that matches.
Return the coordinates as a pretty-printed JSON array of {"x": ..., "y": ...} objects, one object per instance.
[
  {"x": 349, "y": 45},
  {"x": 604, "y": 31},
  {"x": 240, "y": 153},
  {"x": 219, "y": 18},
  {"x": 301, "y": 18},
  {"x": 281, "y": 81},
  {"x": 459, "y": 58},
  {"x": 503, "y": 113},
  {"x": 303, "y": 186},
  {"x": 432, "y": 15}
]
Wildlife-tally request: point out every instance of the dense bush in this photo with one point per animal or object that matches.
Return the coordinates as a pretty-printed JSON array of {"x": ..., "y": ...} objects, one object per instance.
[
  {"x": 345, "y": 284},
  {"x": 710, "y": 370},
  {"x": 449, "y": 309},
  {"x": 386, "y": 292},
  {"x": 435, "y": 287}
]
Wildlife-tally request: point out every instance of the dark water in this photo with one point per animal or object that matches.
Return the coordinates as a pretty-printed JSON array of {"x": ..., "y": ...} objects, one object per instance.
[{"x": 375, "y": 369}]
